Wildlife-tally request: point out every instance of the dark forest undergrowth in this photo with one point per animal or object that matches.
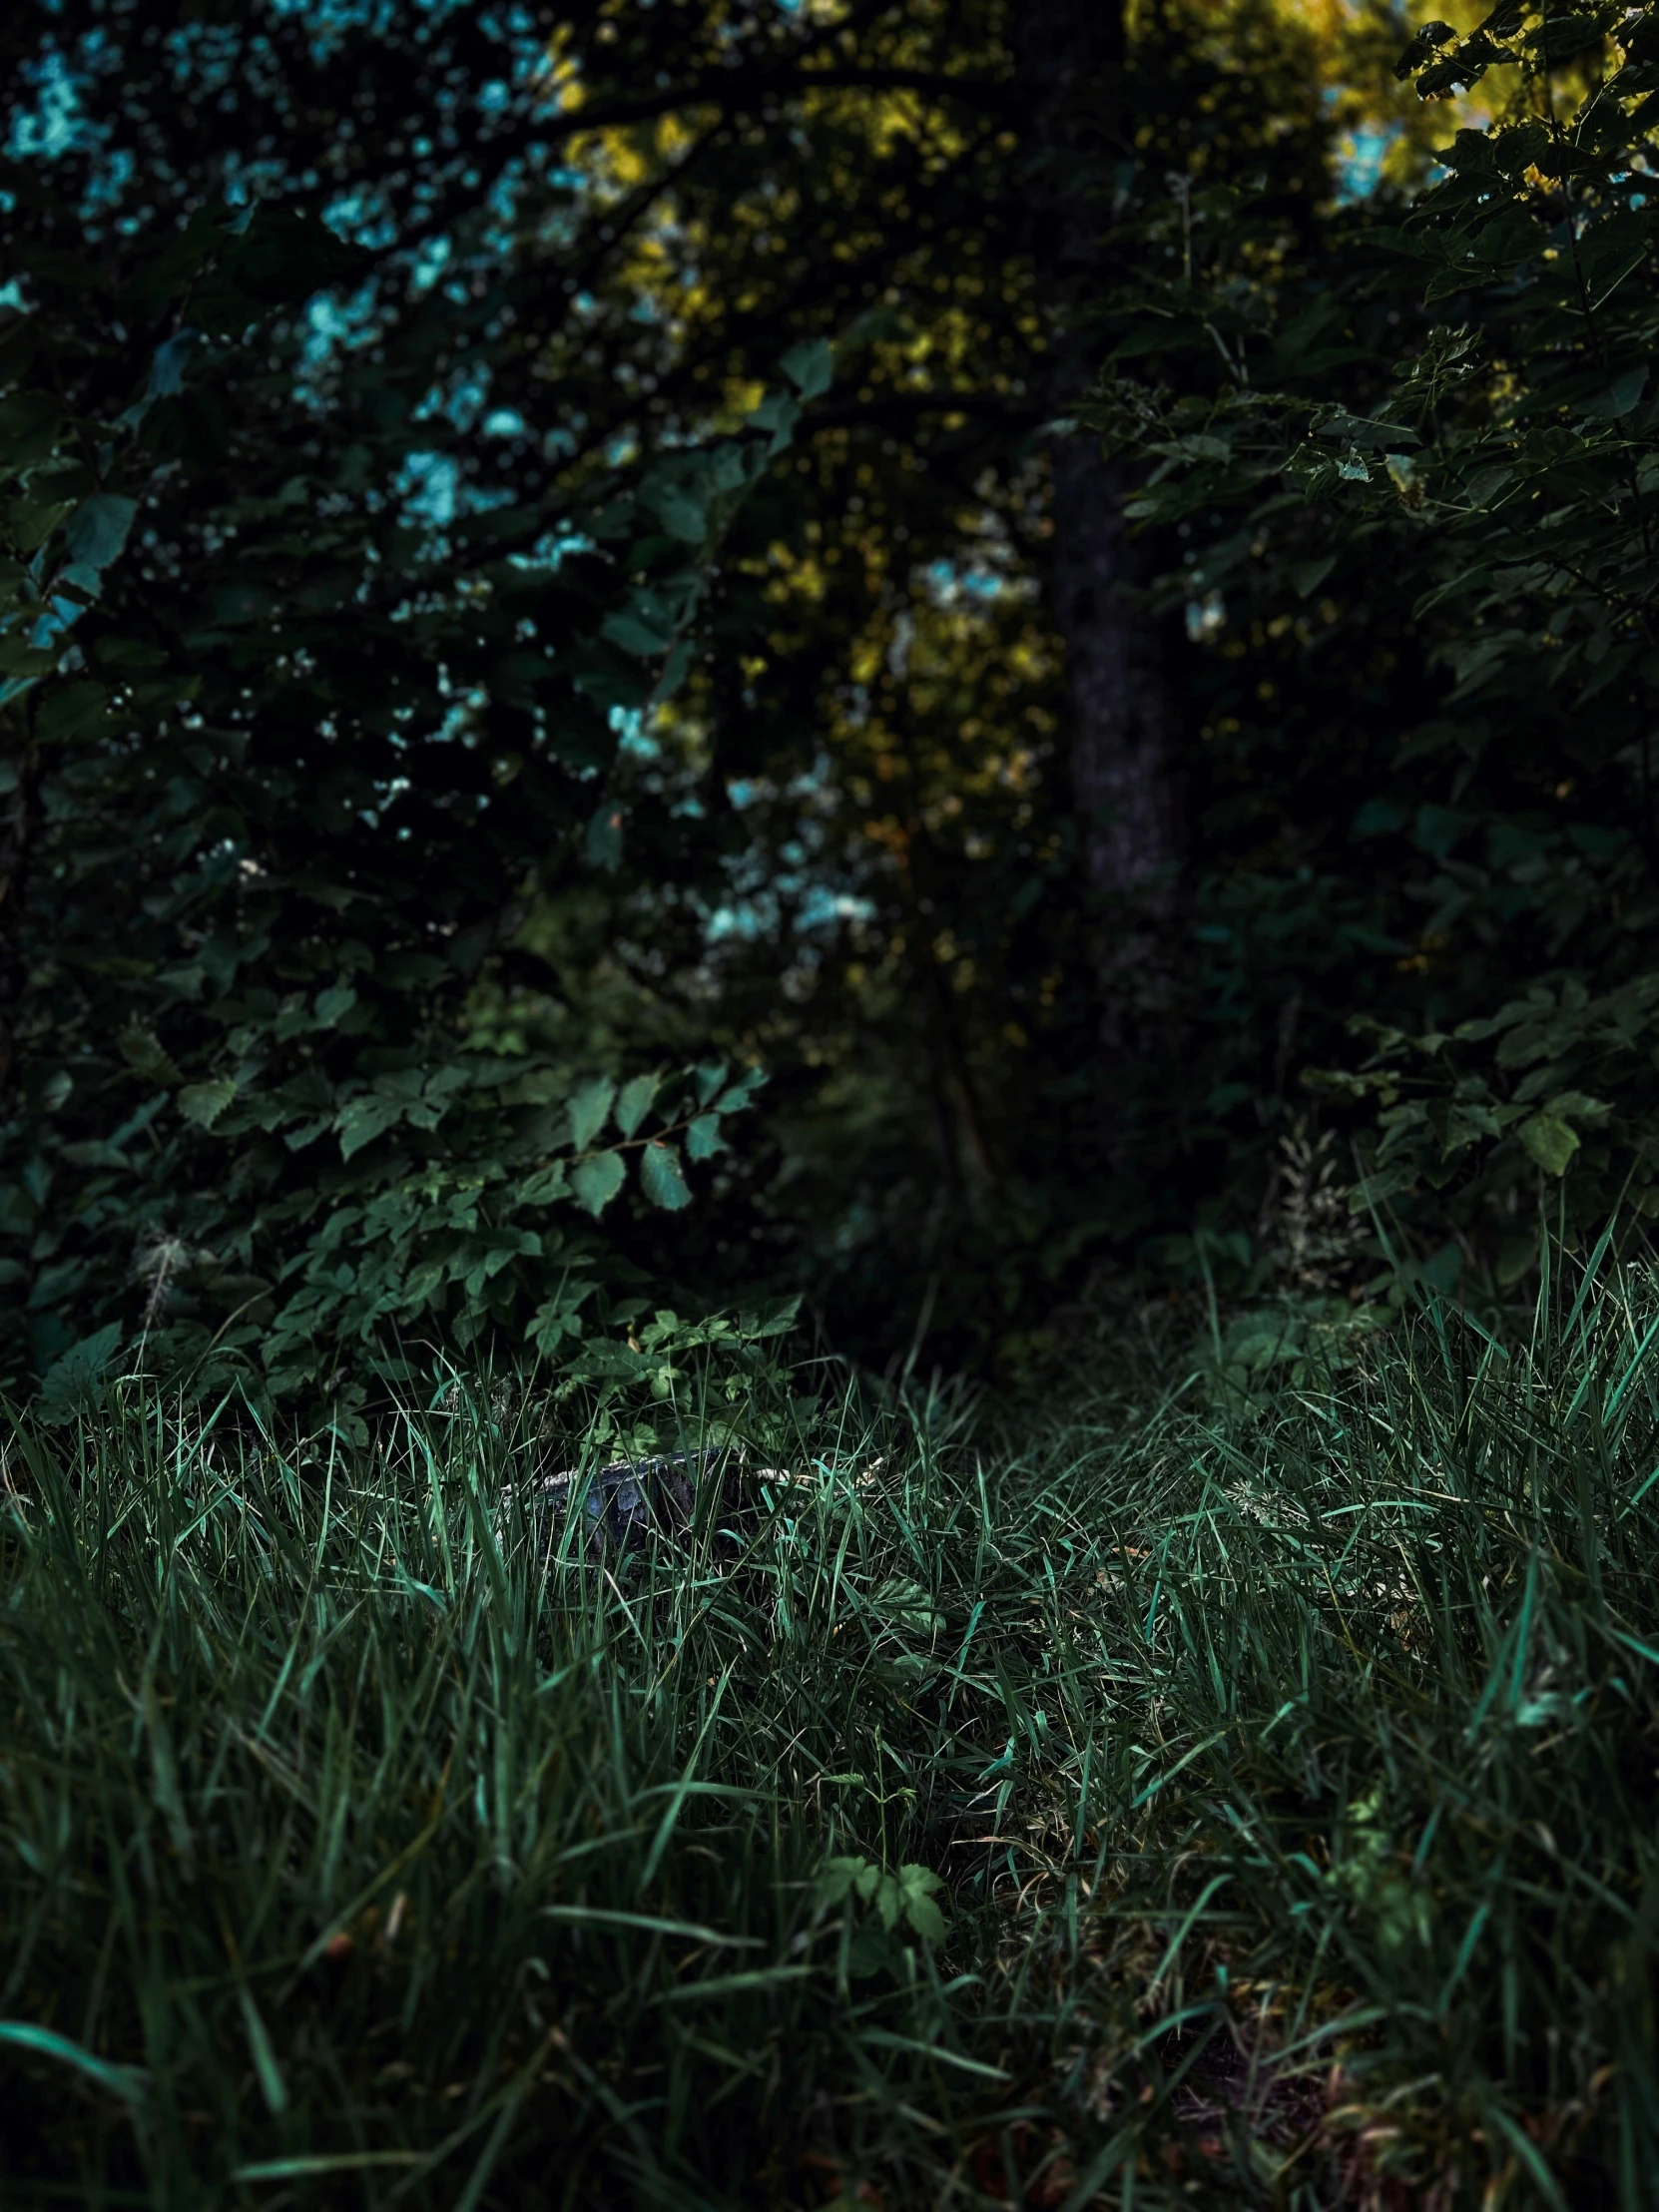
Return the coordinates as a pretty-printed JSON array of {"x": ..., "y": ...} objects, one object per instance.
[{"x": 1168, "y": 1797}]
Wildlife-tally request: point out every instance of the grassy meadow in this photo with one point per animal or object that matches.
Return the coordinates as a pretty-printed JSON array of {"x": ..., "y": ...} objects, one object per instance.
[{"x": 1167, "y": 1794}]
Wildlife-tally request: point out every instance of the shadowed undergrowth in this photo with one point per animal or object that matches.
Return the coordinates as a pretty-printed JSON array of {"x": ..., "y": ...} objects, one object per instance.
[{"x": 1136, "y": 1805}]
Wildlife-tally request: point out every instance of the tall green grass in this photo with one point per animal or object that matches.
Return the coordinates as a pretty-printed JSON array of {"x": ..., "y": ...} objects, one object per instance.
[{"x": 1134, "y": 1803}]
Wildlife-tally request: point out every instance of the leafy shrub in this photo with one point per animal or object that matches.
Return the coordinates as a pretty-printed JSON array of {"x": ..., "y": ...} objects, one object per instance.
[
  {"x": 290, "y": 748},
  {"x": 1436, "y": 450}
]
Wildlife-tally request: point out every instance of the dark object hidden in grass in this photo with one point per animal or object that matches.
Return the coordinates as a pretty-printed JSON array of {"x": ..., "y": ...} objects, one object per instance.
[{"x": 622, "y": 1503}]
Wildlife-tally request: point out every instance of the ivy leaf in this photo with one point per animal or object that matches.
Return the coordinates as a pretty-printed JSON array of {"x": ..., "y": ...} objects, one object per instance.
[
  {"x": 1551, "y": 1141},
  {"x": 662, "y": 1177},
  {"x": 202, "y": 1103},
  {"x": 588, "y": 1108},
  {"x": 596, "y": 1181},
  {"x": 632, "y": 1101}
]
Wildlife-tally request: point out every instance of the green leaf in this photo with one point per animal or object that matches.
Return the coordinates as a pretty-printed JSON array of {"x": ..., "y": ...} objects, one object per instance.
[
  {"x": 662, "y": 1177},
  {"x": 906, "y": 1605},
  {"x": 129, "y": 2083},
  {"x": 29, "y": 423},
  {"x": 31, "y": 521},
  {"x": 603, "y": 842},
  {"x": 69, "y": 1380},
  {"x": 360, "y": 1120},
  {"x": 703, "y": 1138},
  {"x": 740, "y": 1094},
  {"x": 272, "y": 2085},
  {"x": 596, "y": 1181},
  {"x": 144, "y": 1054},
  {"x": 632, "y": 1102},
  {"x": 1551, "y": 1141},
  {"x": 635, "y": 635},
  {"x": 202, "y": 1103},
  {"x": 547, "y": 1184},
  {"x": 1423, "y": 47},
  {"x": 1567, "y": 34},
  {"x": 675, "y": 504},
  {"x": 837, "y": 1878},
  {"x": 918, "y": 1885},
  {"x": 283, "y": 257},
  {"x": 588, "y": 1108},
  {"x": 98, "y": 530},
  {"x": 72, "y": 712},
  {"x": 332, "y": 1005},
  {"x": 809, "y": 367}
]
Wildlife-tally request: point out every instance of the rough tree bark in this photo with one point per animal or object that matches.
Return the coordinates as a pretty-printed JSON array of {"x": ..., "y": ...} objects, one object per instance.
[{"x": 1070, "y": 63}]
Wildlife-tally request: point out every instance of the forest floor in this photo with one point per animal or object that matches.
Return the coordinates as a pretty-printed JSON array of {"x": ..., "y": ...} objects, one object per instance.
[{"x": 1181, "y": 1794}]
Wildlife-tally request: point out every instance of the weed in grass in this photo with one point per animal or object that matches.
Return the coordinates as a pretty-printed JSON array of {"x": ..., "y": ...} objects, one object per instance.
[{"x": 1156, "y": 1807}]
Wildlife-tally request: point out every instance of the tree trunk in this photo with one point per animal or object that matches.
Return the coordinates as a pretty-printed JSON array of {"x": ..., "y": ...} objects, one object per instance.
[{"x": 1126, "y": 771}]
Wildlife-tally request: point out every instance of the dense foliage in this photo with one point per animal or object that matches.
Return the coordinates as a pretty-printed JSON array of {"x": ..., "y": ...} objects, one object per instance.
[
  {"x": 1419, "y": 481},
  {"x": 468, "y": 722},
  {"x": 301, "y": 716},
  {"x": 1060, "y": 597}
]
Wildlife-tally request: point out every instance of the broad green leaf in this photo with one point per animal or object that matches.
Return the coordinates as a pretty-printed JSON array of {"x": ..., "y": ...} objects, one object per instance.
[
  {"x": 29, "y": 423},
  {"x": 98, "y": 530},
  {"x": 675, "y": 504},
  {"x": 1551, "y": 1142},
  {"x": 332, "y": 1005},
  {"x": 31, "y": 521},
  {"x": 202, "y": 1103},
  {"x": 809, "y": 367},
  {"x": 740, "y": 1094},
  {"x": 662, "y": 1177},
  {"x": 703, "y": 1137},
  {"x": 837, "y": 1881},
  {"x": 71, "y": 712},
  {"x": 918, "y": 1887},
  {"x": 588, "y": 1108},
  {"x": 547, "y": 1184},
  {"x": 906, "y": 1605},
  {"x": 364, "y": 1117},
  {"x": 632, "y": 1102},
  {"x": 70, "y": 1377},
  {"x": 596, "y": 1181},
  {"x": 640, "y": 638}
]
